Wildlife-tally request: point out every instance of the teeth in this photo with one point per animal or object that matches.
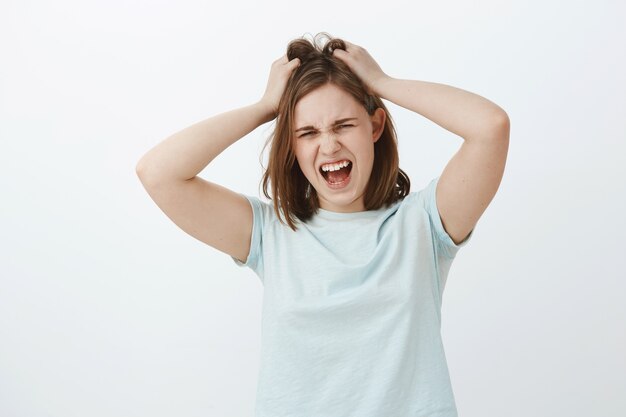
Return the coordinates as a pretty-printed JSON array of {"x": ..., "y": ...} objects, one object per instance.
[{"x": 334, "y": 167}]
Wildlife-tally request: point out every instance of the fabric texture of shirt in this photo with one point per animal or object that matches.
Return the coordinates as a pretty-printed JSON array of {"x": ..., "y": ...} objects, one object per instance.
[{"x": 351, "y": 319}]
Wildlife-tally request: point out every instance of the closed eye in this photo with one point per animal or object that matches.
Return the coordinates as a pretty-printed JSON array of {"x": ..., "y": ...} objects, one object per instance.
[{"x": 340, "y": 126}]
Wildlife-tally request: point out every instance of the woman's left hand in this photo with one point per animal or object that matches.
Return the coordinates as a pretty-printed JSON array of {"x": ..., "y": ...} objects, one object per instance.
[{"x": 363, "y": 65}]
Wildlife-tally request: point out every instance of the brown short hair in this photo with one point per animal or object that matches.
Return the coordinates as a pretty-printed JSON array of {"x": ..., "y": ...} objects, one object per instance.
[{"x": 293, "y": 193}]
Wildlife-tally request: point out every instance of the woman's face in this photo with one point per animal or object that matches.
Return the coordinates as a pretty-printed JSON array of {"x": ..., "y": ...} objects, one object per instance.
[{"x": 330, "y": 126}]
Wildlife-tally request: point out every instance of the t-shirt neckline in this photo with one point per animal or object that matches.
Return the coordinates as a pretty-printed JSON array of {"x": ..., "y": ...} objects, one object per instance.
[{"x": 366, "y": 214}]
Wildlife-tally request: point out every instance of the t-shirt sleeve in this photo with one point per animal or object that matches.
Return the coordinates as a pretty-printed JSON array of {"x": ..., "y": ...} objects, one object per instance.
[
  {"x": 260, "y": 213},
  {"x": 443, "y": 240}
]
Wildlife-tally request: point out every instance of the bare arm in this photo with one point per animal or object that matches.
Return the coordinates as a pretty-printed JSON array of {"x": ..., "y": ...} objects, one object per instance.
[
  {"x": 469, "y": 182},
  {"x": 471, "y": 179},
  {"x": 186, "y": 153},
  {"x": 461, "y": 112},
  {"x": 207, "y": 211}
]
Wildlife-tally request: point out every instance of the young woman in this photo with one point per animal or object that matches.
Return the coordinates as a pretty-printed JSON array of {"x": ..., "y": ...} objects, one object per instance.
[{"x": 353, "y": 264}]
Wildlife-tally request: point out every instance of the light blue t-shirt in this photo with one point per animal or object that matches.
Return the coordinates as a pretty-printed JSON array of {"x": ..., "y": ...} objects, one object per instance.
[{"x": 352, "y": 311}]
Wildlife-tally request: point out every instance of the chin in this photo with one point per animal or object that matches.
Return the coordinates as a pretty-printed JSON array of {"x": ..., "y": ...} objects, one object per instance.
[{"x": 340, "y": 199}]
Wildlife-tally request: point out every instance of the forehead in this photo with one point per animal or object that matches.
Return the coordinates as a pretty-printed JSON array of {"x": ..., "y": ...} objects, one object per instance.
[{"x": 324, "y": 105}]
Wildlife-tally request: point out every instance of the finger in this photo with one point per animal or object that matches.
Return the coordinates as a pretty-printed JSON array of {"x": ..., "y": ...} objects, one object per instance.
[
  {"x": 294, "y": 63},
  {"x": 339, "y": 53},
  {"x": 343, "y": 56}
]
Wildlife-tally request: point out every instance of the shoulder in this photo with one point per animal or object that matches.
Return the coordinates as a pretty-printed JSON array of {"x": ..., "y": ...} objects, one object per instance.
[
  {"x": 424, "y": 196},
  {"x": 421, "y": 197},
  {"x": 264, "y": 214}
]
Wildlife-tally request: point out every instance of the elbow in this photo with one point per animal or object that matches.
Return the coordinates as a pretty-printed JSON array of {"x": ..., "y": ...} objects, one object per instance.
[
  {"x": 500, "y": 126},
  {"x": 142, "y": 168},
  {"x": 494, "y": 127},
  {"x": 503, "y": 121}
]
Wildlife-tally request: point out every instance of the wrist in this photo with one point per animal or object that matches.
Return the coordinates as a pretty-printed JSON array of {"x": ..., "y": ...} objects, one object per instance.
[
  {"x": 266, "y": 112},
  {"x": 379, "y": 85}
]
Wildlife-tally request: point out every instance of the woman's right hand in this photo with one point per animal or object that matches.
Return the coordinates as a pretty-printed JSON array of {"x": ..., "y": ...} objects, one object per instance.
[{"x": 279, "y": 75}]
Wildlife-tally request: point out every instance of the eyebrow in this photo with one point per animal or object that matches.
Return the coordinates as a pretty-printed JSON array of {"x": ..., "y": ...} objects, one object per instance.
[{"x": 337, "y": 122}]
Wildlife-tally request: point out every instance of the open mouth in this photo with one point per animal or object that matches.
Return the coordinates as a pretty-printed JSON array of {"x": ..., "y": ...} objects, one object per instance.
[{"x": 338, "y": 176}]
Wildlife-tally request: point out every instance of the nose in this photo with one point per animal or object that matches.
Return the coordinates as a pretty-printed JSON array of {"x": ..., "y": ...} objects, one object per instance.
[{"x": 329, "y": 143}]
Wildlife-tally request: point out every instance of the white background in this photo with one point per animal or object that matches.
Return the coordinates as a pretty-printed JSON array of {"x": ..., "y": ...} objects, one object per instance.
[{"x": 107, "y": 308}]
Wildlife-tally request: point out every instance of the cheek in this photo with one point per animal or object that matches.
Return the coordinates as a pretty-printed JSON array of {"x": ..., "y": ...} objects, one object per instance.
[
  {"x": 299, "y": 154},
  {"x": 303, "y": 155},
  {"x": 362, "y": 149},
  {"x": 304, "y": 162}
]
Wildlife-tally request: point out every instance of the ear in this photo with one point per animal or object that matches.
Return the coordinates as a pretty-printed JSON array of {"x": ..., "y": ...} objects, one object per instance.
[{"x": 378, "y": 123}]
